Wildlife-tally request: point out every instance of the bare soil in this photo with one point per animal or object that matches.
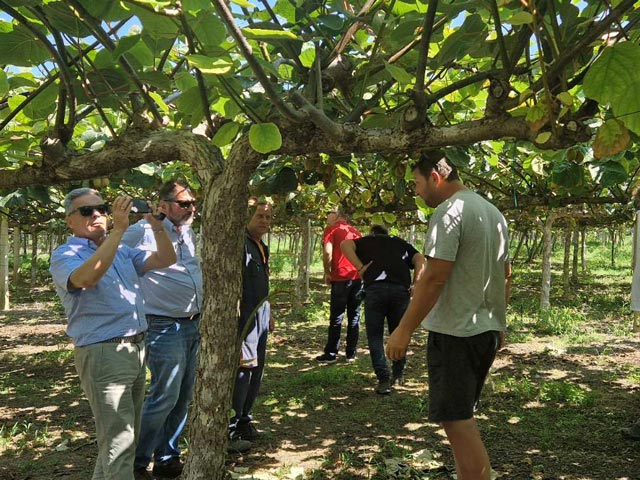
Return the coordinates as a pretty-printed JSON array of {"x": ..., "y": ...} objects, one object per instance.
[{"x": 551, "y": 410}]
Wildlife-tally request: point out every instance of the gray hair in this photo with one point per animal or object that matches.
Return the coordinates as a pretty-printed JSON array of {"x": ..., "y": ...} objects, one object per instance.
[{"x": 75, "y": 193}]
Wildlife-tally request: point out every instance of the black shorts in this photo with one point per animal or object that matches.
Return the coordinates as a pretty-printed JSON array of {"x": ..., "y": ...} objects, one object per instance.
[{"x": 458, "y": 367}]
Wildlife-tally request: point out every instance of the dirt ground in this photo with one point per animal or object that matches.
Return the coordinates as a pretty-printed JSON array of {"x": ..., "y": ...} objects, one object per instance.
[{"x": 551, "y": 410}]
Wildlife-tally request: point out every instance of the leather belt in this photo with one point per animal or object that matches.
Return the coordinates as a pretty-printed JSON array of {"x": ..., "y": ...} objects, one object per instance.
[
  {"x": 193, "y": 316},
  {"x": 137, "y": 338}
]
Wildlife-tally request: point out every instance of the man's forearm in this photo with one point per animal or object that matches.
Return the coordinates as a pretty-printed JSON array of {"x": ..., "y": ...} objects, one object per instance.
[{"x": 92, "y": 271}]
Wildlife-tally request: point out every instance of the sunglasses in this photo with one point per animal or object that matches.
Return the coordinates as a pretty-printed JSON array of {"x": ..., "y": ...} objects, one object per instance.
[
  {"x": 88, "y": 210},
  {"x": 184, "y": 204}
]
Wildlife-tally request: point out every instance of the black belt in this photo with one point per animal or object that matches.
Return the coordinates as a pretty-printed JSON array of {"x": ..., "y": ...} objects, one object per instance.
[
  {"x": 137, "y": 338},
  {"x": 194, "y": 316}
]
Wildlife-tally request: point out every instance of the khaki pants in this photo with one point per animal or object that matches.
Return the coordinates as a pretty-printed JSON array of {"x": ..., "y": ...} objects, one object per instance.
[{"x": 112, "y": 376}]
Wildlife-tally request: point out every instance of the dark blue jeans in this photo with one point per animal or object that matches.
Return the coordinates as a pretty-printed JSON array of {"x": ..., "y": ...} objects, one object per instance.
[
  {"x": 172, "y": 349},
  {"x": 383, "y": 300},
  {"x": 344, "y": 296}
]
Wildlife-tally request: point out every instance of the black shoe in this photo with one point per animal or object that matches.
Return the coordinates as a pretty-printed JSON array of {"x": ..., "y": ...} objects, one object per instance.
[
  {"x": 238, "y": 445},
  {"x": 384, "y": 387},
  {"x": 169, "y": 469},
  {"x": 351, "y": 358},
  {"x": 326, "y": 358},
  {"x": 398, "y": 379},
  {"x": 246, "y": 431},
  {"x": 142, "y": 474}
]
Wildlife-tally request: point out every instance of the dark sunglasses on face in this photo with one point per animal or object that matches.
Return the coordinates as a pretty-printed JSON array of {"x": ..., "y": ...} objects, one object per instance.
[
  {"x": 88, "y": 210},
  {"x": 184, "y": 204}
]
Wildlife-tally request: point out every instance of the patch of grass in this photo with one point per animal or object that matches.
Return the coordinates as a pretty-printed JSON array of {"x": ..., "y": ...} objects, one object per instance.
[
  {"x": 23, "y": 435},
  {"x": 559, "y": 321},
  {"x": 521, "y": 389},
  {"x": 566, "y": 393}
]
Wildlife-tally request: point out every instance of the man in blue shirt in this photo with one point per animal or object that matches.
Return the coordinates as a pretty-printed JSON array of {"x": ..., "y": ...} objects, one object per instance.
[
  {"x": 173, "y": 298},
  {"x": 96, "y": 278}
]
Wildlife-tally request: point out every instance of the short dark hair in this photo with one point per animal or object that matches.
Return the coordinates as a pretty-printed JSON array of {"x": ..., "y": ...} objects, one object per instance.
[
  {"x": 167, "y": 189},
  {"x": 253, "y": 203},
  {"x": 377, "y": 229},
  {"x": 436, "y": 160}
]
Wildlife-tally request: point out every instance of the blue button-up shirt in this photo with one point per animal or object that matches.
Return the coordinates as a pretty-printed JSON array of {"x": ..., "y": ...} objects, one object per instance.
[
  {"x": 175, "y": 291},
  {"x": 112, "y": 308}
]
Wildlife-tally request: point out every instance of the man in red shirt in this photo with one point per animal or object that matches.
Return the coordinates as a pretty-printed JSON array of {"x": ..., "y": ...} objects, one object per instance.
[{"x": 346, "y": 287}]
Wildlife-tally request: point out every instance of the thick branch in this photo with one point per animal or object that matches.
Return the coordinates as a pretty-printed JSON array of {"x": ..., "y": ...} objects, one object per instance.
[{"x": 130, "y": 150}]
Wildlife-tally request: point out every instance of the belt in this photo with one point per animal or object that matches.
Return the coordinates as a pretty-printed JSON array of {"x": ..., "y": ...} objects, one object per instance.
[
  {"x": 193, "y": 316},
  {"x": 137, "y": 338}
]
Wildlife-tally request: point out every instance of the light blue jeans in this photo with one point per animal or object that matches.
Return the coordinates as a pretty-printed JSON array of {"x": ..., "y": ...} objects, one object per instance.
[
  {"x": 112, "y": 376},
  {"x": 172, "y": 357}
]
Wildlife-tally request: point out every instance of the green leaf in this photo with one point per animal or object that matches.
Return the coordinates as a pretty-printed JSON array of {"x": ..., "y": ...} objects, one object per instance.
[
  {"x": 209, "y": 29},
  {"x": 265, "y": 137},
  {"x": 4, "y": 83},
  {"x": 543, "y": 137},
  {"x": 125, "y": 44},
  {"x": 63, "y": 19},
  {"x": 308, "y": 56},
  {"x": 399, "y": 74},
  {"x": 346, "y": 171},
  {"x": 520, "y": 18},
  {"x": 218, "y": 66},
  {"x": 22, "y": 48},
  {"x": 611, "y": 173},
  {"x": 565, "y": 98},
  {"x": 266, "y": 34},
  {"x": 614, "y": 79},
  {"x": 43, "y": 104},
  {"x": 389, "y": 218},
  {"x": 185, "y": 81},
  {"x": 226, "y": 134},
  {"x": 456, "y": 45}
]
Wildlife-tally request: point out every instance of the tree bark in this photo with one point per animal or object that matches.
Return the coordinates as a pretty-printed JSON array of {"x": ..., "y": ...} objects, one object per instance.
[
  {"x": 4, "y": 263},
  {"x": 17, "y": 256},
  {"x": 224, "y": 210},
  {"x": 34, "y": 256},
  {"x": 545, "y": 290},
  {"x": 566, "y": 271}
]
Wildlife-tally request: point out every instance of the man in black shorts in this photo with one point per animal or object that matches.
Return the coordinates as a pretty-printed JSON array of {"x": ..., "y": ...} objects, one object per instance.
[
  {"x": 384, "y": 263},
  {"x": 463, "y": 293}
]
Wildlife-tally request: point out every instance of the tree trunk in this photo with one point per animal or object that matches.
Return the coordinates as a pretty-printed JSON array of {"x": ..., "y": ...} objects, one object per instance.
[
  {"x": 17, "y": 256},
  {"x": 4, "y": 263},
  {"x": 34, "y": 256},
  {"x": 575, "y": 235},
  {"x": 545, "y": 291},
  {"x": 302, "y": 282},
  {"x": 521, "y": 237},
  {"x": 224, "y": 209},
  {"x": 583, "y": 250},
  {"x": 612, "y": 234},
  {"x": 566, "y": 272}
]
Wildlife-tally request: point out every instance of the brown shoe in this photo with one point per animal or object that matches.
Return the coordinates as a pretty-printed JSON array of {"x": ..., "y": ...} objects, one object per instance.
[{"x": 169, "y": 469}]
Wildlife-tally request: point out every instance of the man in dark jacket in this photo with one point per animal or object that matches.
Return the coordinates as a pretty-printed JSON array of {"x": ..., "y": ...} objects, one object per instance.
[
  {"x": 384, "y": 263},
  {"x": 254, "y": 326}
]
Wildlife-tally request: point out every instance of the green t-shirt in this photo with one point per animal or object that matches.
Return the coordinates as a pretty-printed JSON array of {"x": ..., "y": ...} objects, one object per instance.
[{"x": 468, "y": 230}]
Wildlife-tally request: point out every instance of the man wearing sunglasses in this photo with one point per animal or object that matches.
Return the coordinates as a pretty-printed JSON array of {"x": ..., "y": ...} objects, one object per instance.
[
  {"x": 173, "y": 298},
  {"x": 97, "y": 280}
]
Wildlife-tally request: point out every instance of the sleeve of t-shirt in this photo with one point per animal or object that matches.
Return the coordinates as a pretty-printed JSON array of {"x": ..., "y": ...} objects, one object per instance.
[
  {"x": 327, "y": 235},
  {"x": 411, "y": 251},
  {"x": 64, "y": 261},
  {"x": 443, "y": 235}
]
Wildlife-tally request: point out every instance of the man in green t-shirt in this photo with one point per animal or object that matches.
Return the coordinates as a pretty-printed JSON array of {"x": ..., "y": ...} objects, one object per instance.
[{"x": 461, "y": 299}]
